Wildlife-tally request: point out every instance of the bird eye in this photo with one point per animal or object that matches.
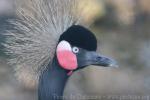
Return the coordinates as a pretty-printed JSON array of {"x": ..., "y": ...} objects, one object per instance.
[{"x": 75, "y": 49}]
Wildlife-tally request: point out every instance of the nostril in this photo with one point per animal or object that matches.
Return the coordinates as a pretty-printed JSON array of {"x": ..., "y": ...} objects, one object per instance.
[{"x": 99, "y": 58}]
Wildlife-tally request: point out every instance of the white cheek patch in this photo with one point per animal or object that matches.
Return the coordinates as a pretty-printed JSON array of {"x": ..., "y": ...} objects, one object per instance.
[{"x": 64, "y": 46}]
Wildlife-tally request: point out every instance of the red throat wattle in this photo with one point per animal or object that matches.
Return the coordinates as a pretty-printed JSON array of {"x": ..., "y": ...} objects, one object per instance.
[{"x": 66, "y": 58}]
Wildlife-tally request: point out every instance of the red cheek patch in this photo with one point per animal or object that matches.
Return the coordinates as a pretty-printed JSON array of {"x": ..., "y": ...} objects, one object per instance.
[{"x": 67, "y": 59}]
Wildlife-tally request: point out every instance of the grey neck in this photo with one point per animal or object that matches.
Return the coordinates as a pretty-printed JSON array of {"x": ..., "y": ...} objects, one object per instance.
[{"x": 52, "y": 82}]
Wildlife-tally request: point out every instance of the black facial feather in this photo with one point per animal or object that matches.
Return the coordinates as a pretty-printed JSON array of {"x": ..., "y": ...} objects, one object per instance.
[{"x": 81, "y": 37}]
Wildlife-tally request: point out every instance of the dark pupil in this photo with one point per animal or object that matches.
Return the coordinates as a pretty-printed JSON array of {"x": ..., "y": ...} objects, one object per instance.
[{"x": 76, "y": 49}]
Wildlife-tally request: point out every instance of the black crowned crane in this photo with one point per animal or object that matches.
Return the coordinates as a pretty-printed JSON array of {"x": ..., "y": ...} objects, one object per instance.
[{"x": 48, "y": 43}]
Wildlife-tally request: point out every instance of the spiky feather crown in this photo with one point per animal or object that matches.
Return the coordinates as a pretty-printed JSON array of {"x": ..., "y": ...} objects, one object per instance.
[{"x": 36, "y": 32}]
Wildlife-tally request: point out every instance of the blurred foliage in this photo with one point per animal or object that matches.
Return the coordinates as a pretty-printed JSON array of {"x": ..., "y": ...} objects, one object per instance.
[{"x": 91, "y": 10}]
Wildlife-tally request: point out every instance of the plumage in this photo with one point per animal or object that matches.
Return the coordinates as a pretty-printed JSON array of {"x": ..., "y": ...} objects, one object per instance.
[
  {"x": 32, "y": 42},
  {"x": 48, "y": 43}
]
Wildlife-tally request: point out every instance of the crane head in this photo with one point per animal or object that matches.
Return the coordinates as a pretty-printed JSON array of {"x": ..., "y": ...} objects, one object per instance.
[{"x": 77, "y": 49}]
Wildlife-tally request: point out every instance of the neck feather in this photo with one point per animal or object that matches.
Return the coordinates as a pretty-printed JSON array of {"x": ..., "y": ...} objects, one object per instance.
[{"x": 52, "y": 82}]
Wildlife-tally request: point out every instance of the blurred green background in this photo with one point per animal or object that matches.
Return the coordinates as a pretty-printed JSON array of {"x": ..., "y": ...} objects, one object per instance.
[{"x": 122, "y": 28}]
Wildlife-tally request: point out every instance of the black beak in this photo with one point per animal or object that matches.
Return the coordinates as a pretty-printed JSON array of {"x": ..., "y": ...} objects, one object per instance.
[{"x": 93, "y": 58}]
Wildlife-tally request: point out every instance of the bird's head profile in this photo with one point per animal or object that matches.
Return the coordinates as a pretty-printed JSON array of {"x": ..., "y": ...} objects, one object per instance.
[{"x": 76, "y": 49}]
